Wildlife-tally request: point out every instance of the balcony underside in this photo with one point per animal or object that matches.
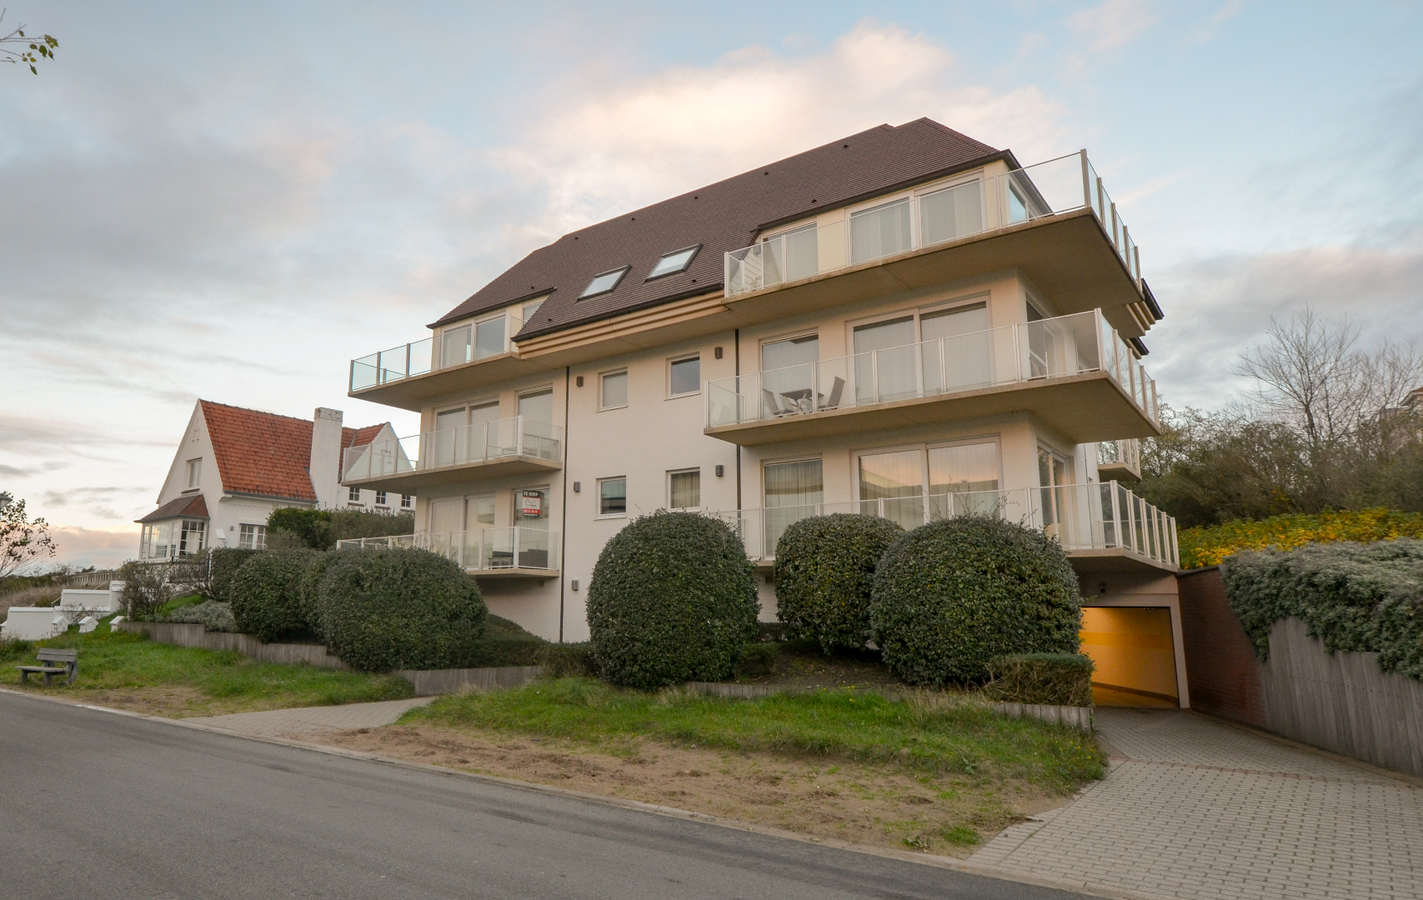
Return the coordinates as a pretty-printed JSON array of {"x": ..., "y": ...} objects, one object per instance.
[
  {"x": 1117, "y": 560},
  {"x": 514, "y": 573},
  {"x": 414, "y": 392},
  {"x": 1067, "y": 256},
  {"x": 1084, "y": 408},
  {"x": 411, "y": 482},
  {"x": 1117, "y": 471}
]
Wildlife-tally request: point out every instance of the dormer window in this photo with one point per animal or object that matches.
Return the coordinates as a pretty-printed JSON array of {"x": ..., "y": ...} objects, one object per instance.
[
  {"x": 676, "y": 261},
  {"x": 602, "y": 284}
]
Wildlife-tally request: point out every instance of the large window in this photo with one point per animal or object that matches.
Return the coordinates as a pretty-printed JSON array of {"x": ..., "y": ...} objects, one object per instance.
[
  {"x": 478, "y": 340},
  {"x": 684, "y": 489},
  {"x": 684, "y": 376},
  {"x": 788, "y": 377},
  {"x": 950, "y": 213},
  {"x": 612, "y": 496},
  {"x": 173, "y": 539},
  {"x": 614, "y": 390},
  {"x": 252, "y": 537},
  {"x": 924, "y": 353},
  {"x": 1054, "y": 474},
  {"x": 922, "y": 484},
  {"x": 537, "y": 405},
  {"x": 794, "y": 490},
  {"x": 880, "y": 231}
]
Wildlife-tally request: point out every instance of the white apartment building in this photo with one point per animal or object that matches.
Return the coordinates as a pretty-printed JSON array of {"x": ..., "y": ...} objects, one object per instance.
[
  {"x": 234, "y": 466},
  {"x": 905, "y": 322}
]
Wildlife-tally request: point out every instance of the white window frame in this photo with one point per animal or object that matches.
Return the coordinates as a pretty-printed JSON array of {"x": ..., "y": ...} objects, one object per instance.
[
  {"x": 353, "y": 495},
  {"x": 407, "y": 501},
  {"x": 679, "y": 359},
  {"x": 984, "y": 297},
  {"x": 792, "y": 336},
  {"x": 924, "y": 447},
  {"x": 688, "y": 471},
  {"x": 194, "y": 474},
  {"x": 381, "y": 498},
  {"x": 598, "y": 486},
  {"x": 252, "y": 537},
  {"x": 602, "y": 407}
]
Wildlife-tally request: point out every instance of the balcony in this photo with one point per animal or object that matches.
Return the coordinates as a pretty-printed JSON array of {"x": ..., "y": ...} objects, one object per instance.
[
  {"x": 1119, "y": 460},
  {"x": 510, "y": 446},
  {"x": 1074, "y": 372},
  {"x": 477, "y": 353},
  {"x": 1102, "y": 526},
  {"x": 514, "y": 552},
  {"x": 1055, "y": 220}
]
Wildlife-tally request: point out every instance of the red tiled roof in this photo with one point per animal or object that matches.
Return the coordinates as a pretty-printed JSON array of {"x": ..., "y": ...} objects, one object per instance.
[
  {"x": 260, "y": 452},
  {"x": 193, "y": 506},
  {"x": 720, "y": 217},
  {"x": 359, "y": 437}
]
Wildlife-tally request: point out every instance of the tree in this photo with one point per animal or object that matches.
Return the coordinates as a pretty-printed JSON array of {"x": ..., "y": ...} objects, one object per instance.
[
  {"x": 21, "y": 541},
  {"x": 38, "y": 48}
]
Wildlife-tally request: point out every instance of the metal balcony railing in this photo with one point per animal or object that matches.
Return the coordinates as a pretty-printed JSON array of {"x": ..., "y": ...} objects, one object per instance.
[
  {"x": 1026, "y": 352},
  {"x": 929, "y": 218},
  {"x": 480, "y": 550},
  {"x": 1125, "y": 452},
  {"x": 481, "y": 442},
  {"x": 1100, "y": 516},
  {"x": 467, "y": 343}
]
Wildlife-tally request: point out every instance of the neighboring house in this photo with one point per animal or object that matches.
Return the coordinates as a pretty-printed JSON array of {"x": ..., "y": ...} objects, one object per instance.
[
  {"x": 234, "y": 466},
  {"x": 904, "y": 322}
]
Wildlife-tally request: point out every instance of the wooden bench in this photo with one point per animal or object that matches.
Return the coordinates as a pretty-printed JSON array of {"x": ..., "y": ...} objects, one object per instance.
[{"x": 69, "y": 663}]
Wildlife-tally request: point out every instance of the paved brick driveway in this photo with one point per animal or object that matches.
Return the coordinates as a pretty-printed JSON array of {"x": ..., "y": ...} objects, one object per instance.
[{"x": 1195, "y": 808}]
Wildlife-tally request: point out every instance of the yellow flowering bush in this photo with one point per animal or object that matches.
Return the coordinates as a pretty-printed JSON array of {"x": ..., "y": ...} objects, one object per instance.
[{"x": 1210, "y": 545}]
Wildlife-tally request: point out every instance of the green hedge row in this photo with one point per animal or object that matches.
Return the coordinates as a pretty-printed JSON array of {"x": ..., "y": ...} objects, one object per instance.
[{"x": 1353, "y": 597}]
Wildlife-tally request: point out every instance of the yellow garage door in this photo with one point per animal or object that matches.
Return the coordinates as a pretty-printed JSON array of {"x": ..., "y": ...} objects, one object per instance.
[{"x": 1136, "y": 661}]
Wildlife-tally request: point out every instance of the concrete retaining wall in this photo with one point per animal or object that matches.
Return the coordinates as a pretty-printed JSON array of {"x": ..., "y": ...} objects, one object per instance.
[
  {"x": 1079, "y": 717},
  {"x": 1340, "y": 702},
  {"x": 185, "y": 635},
  {"x": 450, "y": 681}
]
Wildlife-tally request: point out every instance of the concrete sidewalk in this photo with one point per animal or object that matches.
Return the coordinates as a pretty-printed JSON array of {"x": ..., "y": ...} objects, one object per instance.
[
  {"x": 312, "y": 719},
  {"x": 1194, "y": 808}
]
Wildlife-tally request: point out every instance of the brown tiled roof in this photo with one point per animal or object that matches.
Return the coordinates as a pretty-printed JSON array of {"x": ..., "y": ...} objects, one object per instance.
[
  {"x": 359, "y": 437},
  {"x": 192, "y": 506},
  {"x": 720, "y": 217}
]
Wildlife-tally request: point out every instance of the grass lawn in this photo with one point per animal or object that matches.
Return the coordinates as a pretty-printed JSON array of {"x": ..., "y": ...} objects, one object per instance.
[
  {"x": 928, "y": 771},
  {"x": 129, "y": 671}
]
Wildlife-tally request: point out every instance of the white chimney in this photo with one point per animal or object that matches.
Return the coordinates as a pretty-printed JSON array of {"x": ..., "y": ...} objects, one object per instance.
[{"x": 325, "y": 467}]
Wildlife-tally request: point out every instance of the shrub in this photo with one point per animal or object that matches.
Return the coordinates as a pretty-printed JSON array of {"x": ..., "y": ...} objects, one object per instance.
[
  {"x": 1353, "y": 597},
  {"x": 951, "y": 595},
  {"x": 146, "y": 588},
  {"x": 309, "y": 588},
  {"x": 1210, "y": 545},
  {"x": 210, "y": 614},
  {"x": 567, "y": 660},
  {"x": 347, "y": 524},
  {"x": 825, "y": 570},
  {"x": 224, "y": 563},
  {"x": 266, "y": 598},
  {"x": 672, "y": 599},
  {"x": 1055, "y": 679},
  {"x": 320, "y": 529},
  {"x": 505, "y": 644},
  {"x": 400, "y": 608},
  {"x": 758, "y": 659}
]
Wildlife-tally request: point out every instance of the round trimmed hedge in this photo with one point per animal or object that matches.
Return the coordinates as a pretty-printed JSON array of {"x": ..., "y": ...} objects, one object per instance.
[
  {"x": 672, "y": 600},
  {"x": 825, "y": 570},
  {"x": 952, "y": 595},
  {"x": 399, "y": 608},
  {"x": 309, "y": 587},
  {"x": 266, "y": 597},
  {"x": 224, "y": 563}
]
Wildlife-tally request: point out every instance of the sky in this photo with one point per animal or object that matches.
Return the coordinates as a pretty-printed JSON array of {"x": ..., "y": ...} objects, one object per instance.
[{"x": 231, "y": 201}]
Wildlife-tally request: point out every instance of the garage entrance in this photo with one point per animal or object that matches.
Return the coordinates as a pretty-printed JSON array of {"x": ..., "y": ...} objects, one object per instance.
[{"x": 1134, "y": 653}]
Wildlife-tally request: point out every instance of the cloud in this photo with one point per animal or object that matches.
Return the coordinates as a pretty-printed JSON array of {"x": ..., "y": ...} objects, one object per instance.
[
  {"x": 1113, "y": 23},
  {"x": 1227, "y": 302},
  {"x": 104, "y": 548},
  {"x": 1206, "y": 31},
  {"x": 608, "y": 146}
]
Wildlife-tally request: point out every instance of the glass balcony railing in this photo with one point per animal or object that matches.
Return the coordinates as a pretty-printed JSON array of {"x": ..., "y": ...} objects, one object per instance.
[
  {"x": 1125, "y": 452},
  {"x": 1026, "y": 352},
  {"x": 481, "y": 442},
  {"x": 1102, "y": 516},
  {"x": 457, "y": 346},
  {"x": 925, "y": 220},
  {"x": 481, "y": 550}
]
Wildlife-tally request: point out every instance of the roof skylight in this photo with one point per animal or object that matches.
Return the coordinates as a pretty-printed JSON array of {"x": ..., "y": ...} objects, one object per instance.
[
  {"x": 602, "y": 284},
  {"x": 676, "y": 261}
]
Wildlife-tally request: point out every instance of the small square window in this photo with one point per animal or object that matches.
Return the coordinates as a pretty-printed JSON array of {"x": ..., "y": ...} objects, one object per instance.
[
  {"x": 676, "y": 261},
  {"x": 612, "y": 496},
  {"x": 684, "y": 489},
  {"x": 380, "y": 498},
  {"x": 406, "y": 501},
  {"x": 252, "y": 537},
  {"x": 684, "y": 376},
  {"x": 353, "y": 494},
  {"x": 614, "y": 391},
  {"x": 602, "y": 284}
]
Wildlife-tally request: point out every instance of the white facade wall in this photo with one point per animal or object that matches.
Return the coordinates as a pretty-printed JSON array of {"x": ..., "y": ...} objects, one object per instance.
[{"x": 655, "y": 434}]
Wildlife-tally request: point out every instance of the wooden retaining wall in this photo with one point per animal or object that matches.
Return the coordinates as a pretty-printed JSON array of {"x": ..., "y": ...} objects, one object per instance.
[{"x": 1340, "y": 702}]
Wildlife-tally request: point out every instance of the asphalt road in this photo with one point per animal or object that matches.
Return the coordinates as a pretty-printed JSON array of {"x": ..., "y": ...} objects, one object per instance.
[{"x": 94, "y": 804}]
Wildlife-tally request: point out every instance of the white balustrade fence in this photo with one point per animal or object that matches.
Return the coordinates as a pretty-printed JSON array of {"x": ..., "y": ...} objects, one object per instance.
[
  {"x": 484, "y": 549},
  {"x": 518, "y": 436}
]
